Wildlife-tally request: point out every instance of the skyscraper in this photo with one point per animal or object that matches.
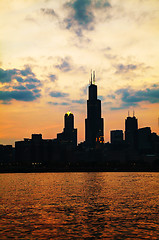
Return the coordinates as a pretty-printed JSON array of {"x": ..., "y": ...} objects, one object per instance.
[
  {"x": 69, "y": 134},
  {"x": 131, "y": 127},
  {"x": 94, "y": 122}
]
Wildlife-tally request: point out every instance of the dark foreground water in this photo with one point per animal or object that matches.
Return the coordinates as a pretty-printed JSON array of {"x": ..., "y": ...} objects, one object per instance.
[{"x": 79, "y": 206}]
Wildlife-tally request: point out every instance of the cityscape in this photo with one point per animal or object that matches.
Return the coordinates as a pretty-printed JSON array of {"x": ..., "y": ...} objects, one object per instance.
[{"x": 137, "y": 149}]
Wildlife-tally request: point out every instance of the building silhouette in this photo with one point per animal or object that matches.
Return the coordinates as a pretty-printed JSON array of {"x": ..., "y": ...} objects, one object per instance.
[
  {"x": 145, "y": 139},
  {"x": 94, "y": 123},
  {"x": 116, "y": 136},
  {"x": 69, "y": 134},
  {"x": 131, "y": 127}
]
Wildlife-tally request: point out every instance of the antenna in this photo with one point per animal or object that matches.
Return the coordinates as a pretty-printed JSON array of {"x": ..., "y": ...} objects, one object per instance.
[
  {"x": 94, "y": 77},
  {"x": 133, "y": 113},
  {"x": 91, "y": 76},
  {"x": 128, "y": 113}
]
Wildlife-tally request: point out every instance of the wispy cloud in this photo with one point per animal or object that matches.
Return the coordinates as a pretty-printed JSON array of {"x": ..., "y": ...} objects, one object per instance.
[
  {"x": 49, "y": 12},
  {"x": 80, "y": 101},
  {"x": 65, "y": 64},
  {"x": 58, "y": 94},
  {"x": 52, "y": 77},
  {"x": 59, "y": 103}
]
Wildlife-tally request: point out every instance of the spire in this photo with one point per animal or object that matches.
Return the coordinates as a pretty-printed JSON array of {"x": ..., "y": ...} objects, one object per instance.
[
  {"x": 128, "y": 113},
  {"x": 133, "y": 113},
  {"x": 93, "y": 77}
]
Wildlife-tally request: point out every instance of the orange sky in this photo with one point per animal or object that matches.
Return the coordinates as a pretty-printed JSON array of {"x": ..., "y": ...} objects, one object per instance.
[{"x": 47, "y": 50}]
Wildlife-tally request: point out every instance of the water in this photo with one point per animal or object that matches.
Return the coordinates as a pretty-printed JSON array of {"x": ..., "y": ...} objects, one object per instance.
[{"x": 79, "y": 206}]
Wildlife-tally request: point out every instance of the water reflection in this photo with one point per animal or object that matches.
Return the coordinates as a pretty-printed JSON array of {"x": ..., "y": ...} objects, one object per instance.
[{"x": 79, "y": 206}]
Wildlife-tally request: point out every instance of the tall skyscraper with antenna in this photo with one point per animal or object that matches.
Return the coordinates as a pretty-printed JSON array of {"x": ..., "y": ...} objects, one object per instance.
[
  {"x": 93, "y": 123},
  {"x": 131, "y": 127}
]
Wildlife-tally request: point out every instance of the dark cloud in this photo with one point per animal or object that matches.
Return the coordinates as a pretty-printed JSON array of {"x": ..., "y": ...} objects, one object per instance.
[
  {"x": 19, "y": 88},
  {"x": 65, "y": 64},
  {"x": 7, "y": 75},
  {"x": 18, "y": 95},
  {"x": 58, "y": 94},
  {"x": 19, "y": 79},
  {"x": 81, "y": 14},
  {"x": 32, "y": 80},
  {"x": 25, "y": 88},
  {"x": 80, "y": 101},
  {"x": 31, "y": 86},
  {"x": 49, "y": 12},
  {"x": 132, "y": 97},
  {"x": 27, "y": 71},
  {"x": 36, "y": 91},
  {"x": 52, "y": 77},
  {"x": 56, "y": 103}
]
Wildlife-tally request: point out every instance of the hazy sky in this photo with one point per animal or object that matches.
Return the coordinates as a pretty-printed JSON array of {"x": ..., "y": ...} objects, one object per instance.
[{"x": 47, "y": 50}]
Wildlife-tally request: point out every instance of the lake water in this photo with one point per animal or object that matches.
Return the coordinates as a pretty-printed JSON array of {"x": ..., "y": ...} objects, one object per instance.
[{"x": 79, "y": 206}]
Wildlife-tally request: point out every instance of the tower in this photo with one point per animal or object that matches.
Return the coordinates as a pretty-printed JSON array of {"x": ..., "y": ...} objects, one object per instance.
[
  {"x": 93, "y": 122},
  {"x": 131, "y": 127},
  {"x": 69, "y": 134}
]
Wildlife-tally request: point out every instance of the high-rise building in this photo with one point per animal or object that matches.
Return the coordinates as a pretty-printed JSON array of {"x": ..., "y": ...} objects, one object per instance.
[
  {"x": 131, "y": 127},
  {"x": 116, "y": 136},
  {"x": 69, "y": 134},
  {"x": 94, "y": 123}
]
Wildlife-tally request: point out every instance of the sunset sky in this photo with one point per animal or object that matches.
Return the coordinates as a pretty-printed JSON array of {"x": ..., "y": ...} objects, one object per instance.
[{"x": 47, "y": 51}]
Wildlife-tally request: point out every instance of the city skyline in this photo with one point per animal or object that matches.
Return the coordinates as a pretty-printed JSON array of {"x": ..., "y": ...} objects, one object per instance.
[{"x": 48, "y": 49}]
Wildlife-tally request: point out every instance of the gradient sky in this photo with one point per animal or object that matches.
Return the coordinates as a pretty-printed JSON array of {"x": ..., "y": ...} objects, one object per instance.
[{"x": 47, "y": 50}]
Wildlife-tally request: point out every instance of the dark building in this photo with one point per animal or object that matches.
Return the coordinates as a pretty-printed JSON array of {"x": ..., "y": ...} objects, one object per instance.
[
  {"x": 69, "y": 134},
  {"x": 30, "y": 151},
  {"x": 131, "y": 127},
  {"x": 116, "y": 136},
  {"x": 94, "y": 123},
  {"x": 6, "y": 154},
  {"x": 144, "y": 139}
]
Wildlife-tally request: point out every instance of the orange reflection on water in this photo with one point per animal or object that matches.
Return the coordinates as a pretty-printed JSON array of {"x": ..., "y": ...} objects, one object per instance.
[{"x": 79, "y": 205}]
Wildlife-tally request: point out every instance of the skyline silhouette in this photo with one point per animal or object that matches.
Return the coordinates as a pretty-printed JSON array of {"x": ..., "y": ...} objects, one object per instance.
[{"x": 137, "y": 151}]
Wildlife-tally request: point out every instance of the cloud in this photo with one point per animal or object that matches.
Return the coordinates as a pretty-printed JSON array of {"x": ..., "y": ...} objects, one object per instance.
[
  {"x": 49, "y": 12},
  {"x": 52, "y": 77},
  {"x": 32, "y": 80},
  {"x": 101, "y": 97},
  {"x": 130, "y": 97},
  {"x": 56, "y": 103},
  {"x": 81, "y": 14},
  {"x": 80, "y": 101},
  {"x": 19, "y": 88},
  {"x": 20, "y": 85},
  {"x": 121, "y": 68},
  {"x": 19, "y": 79},
  {"x": 58, "y": 94},
  {"x": 124, "y": 69},
  {"x": 7, "y": 75},
  {"x": 18, "y": 95},
  {"x": 30, "y": 86},
  {"x": 27, "y": 71},
  {"x": 65, "y": 64}
]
